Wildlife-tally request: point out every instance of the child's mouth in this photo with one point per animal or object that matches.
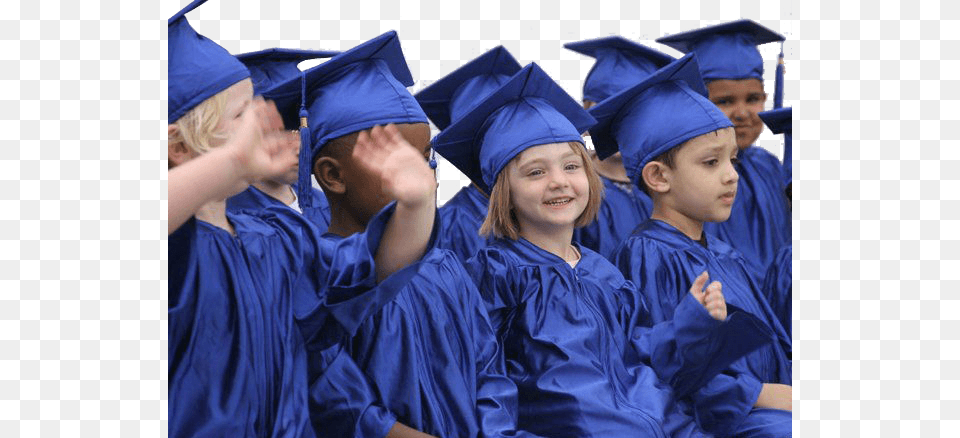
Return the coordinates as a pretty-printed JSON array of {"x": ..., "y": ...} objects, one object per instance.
[{"x": 558, "y": 202}]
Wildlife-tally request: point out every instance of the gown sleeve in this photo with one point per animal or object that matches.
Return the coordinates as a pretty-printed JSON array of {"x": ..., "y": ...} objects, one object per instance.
[
  {"x": 344, "y": 282},
  {"x": 497, "y": 396},
  {"x": 679, "y": 338},
  {"x": 343, "y": 403}
]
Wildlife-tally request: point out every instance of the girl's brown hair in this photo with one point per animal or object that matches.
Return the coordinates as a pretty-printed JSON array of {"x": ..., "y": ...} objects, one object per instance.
[{"x": 501, "y": 221}]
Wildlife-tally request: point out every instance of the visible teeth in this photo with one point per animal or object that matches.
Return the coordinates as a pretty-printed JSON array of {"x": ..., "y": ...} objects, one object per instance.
[{"x": 558, "y": 202}]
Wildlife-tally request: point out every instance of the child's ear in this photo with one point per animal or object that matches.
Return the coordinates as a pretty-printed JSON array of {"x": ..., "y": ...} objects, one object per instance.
[
  {"x": 656, "y": 176},
  {"x": 328, "y": 173},
  {"x": 177, "y": 151}
]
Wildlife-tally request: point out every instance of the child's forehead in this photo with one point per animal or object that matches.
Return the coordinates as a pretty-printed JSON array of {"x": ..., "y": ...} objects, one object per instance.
[
  {"x": 719, "y": 141},
  {"x": 546, "y": 151},
  {"x": 730, "y": 86}
]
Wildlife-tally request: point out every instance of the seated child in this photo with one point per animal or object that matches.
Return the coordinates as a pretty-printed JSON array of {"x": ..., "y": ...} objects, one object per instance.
[
  {"x": 447, "y": 100},
  {"x": 681, "y": 150},
  {"x": 268, "y": 68},
  {"x": 732, "y": 68},
  {"x": 620, "y": 63},
  {"x": 429, "y": 352},
  {"x": 237, "y": 365},
  {"x": 572, "y": 329}
]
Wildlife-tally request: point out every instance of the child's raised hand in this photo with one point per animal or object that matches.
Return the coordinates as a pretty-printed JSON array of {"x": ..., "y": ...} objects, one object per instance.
[
  {"x": 261, "y": 147},
  {"x": 404, "y": 174},
  {"x": 711, "y": 298}
]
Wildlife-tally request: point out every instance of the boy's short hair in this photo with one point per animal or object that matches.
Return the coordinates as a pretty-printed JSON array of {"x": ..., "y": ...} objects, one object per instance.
[
  {"x": 197, "y": 128},
  {"x": 339, "y": 147},
  {"x": 501, "y": 221}
]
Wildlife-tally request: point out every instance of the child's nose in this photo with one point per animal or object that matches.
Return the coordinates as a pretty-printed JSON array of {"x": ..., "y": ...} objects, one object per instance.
[
  {"x": 731, "y": 175},
  {"x": 558, "y": 180}
]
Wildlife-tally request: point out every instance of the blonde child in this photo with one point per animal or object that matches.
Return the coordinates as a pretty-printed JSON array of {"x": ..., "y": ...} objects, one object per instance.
[{"x": 236, "y": 361}]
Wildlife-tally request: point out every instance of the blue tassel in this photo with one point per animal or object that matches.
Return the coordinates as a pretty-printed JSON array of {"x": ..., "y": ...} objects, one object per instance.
[
  {"x": 778, "y": 85},
  {"x": 303, "y": 166},
  {"x": 433, "y": 159}
]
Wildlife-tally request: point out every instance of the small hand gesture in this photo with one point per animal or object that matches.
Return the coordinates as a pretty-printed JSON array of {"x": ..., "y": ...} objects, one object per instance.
[{"x": 712, "y": 298}]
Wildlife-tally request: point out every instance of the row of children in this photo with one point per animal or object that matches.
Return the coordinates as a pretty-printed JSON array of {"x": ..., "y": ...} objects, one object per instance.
[{"x": 363, "y": 310}]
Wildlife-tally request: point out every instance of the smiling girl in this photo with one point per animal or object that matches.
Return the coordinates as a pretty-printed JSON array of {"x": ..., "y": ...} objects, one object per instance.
[{"x": 574, "y": 332}]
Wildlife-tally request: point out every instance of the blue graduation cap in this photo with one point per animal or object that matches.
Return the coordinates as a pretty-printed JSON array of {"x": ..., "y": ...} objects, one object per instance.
[
  {"x": 651, "y": 117},
  {"x": 453, "y": 95},
  {"x": 356, "y": 90},
  {"x": 780, "y": 121},
  {"x": 273, "y": 66},
  {"x": 726, "y": 51},
  {"x": 197, "y": 68},
  {"x": 528, "y": 110},
  {"x": 620, "y": 64}
]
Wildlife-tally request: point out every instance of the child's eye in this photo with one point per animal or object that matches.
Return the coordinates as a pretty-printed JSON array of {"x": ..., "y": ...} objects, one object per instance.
[
  {"x": 712, "y": 162},
  {"x": 735, "y": 161},
  {"x": 535, "y": 172},
  {"x": 719, "y": 102},
  {"x": 572, "y": 166}
]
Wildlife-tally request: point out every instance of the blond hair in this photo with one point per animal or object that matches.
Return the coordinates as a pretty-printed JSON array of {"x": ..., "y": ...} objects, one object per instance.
[
  {"x": 197, "y": 129},
  {"x": 501, "y": 220}
]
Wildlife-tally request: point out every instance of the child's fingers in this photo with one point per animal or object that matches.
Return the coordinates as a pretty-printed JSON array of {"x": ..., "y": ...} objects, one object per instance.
[
  {"x": 697, "y": 287},
  {"x": 273, "y": 120},
  {"x": 714, "y": 301}
]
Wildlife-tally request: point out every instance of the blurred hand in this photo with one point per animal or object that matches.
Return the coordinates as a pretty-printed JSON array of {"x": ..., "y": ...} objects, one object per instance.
[
  {"x": 261, "y": 147},
  {"x": 404, "y": 175}
]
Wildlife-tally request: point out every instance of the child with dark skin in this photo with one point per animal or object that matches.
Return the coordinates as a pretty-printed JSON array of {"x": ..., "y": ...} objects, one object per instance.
[
  {"x": 431, "y": 385},
  {"x": 353, "y": 195}
]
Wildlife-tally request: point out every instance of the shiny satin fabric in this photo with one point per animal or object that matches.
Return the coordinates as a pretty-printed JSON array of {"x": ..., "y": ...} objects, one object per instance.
[
  {"x": 253, "y": 200},
  {"x": 237, "y": 364},
  {"x": 759, "y": 222},
  {"x": 778, "y": 287},
  {"x": 431, "y": 355},
  {"x": 620, "y": 213},
  {"x": 663, "y": 262},
  {"x": 578, "y": 345},
  {"x": 461, "y": 217}
]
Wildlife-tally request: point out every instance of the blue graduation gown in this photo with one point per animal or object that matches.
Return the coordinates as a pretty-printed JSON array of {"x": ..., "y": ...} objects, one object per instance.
[
  {"x": 432, "y": 357},
  {"x": 237, "y": 364},
  {"x": 578, "y": 345},
  {"x": 759, "y": 222},
  {"x": 663, "y": 262},
  {"x": 624, "y": 207},
  {"x": 461, "y": 217},
  {"x": 778, "y": 287},
  {"x": 253, "y": 199}
]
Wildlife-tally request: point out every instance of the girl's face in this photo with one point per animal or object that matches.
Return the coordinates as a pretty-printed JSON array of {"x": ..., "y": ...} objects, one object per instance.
[
  {"x": 548, "y": 187},
  {"x": 239, "y": 96}
]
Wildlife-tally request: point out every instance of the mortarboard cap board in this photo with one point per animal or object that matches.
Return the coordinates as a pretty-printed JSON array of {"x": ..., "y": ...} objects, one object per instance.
[
  {"x": 780, "y": 120},
  {"x": 197, "y": 67},
  {"x": 456, "y": 93},
  {"x": 356, "y": 90},
  {"x": 620, "y": 64},
  {"x": 528, "y": 110},
  {"x": 655, "y": 115},
  {"x": 726, "y": 51},
  {"x": 273, "y": 66}
]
